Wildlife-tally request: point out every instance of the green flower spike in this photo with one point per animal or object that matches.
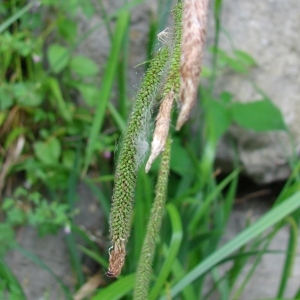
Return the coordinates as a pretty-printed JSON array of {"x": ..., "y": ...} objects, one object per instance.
[
  {"x": 145, "y": 263},
  {"x": 131, "y": 155},
  {"x": 170, "y": 90}
]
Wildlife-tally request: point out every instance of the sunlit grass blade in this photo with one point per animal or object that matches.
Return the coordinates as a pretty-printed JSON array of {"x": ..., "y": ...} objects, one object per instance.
[
  {"x": 254, "y": 264},
  {"x": 116, "y": 290},
  {"x": 175, "y": 243},
  {"x": 178, "y": 272},
  {"x": 44, "y": 266},
  {"x": 106, "y": 87},
  {"x": 271, "y": 218},
  {"x": 222, "y": 284}
]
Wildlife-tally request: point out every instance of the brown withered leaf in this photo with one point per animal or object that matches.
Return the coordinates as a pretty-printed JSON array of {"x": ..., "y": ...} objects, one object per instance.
[
  {"x": 192, "y": 48},
  {"x": 161, "y": 128}
]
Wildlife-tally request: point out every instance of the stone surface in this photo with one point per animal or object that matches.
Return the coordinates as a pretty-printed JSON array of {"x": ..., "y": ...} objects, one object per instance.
[{"x": 267, "y": 30}]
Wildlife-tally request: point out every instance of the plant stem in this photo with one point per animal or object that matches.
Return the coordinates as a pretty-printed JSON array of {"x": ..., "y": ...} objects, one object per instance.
[
  {"x": 130, "y": 157},
  {"x": 148, "y": 250}
]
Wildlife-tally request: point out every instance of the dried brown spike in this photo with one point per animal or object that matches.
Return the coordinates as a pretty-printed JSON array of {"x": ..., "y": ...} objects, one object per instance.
[
  {"x": 192, "y": 48},
  {"x": 116, "y": 260},
  {"x": 161, "y": 128}
]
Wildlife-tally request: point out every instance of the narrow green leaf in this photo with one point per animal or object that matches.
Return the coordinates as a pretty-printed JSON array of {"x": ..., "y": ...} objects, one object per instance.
[
  {"x": 175, "y": 243},
  {"x": 271, "y": 218},
  {"x": 41, "y": 264},
  {"x": 116, "y": 290},
  {"x": 106, "y": 87},
  {"x": 209, "y": 200},
  {"x": 16, "y": 16},
  {"x": 57, "y": 94},
  {"x": 11, "y": 281},
  {"x": 95, "y": 256},
  {"x": 178, "y": 272},
  {"x": 291, "y": 252}
]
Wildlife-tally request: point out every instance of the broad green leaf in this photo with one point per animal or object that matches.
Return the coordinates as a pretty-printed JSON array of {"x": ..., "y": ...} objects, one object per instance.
[
  {"x": 83, "y": 66},
  {"x": 236, "y": 65},
  {"x": 6, "y": 98},
  {"x": 67, "y": 29},
  {"x": 226, "y": 97},
  {"x": 90, "y": 94},
  {"x": 58, "y": 57},
  {"x": 245, "y": 58},
  {"x": 259, "y": 116},
  {"x": 27, "y": 94},
  {"x": 48, "y": 152}
]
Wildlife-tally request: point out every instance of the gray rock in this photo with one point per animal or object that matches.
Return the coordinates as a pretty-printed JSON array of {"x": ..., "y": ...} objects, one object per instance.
[{"x": 267, "y": 30}]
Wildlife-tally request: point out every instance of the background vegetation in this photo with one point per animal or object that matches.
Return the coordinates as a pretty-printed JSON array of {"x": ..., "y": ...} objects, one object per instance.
[{"x": 49, "y": 142}]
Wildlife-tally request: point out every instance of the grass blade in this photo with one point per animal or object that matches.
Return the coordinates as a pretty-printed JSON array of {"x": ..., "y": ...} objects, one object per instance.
[
  {"x": 106, "y": 87},
  {"x": 116, "y": 290},
  {"x": 103, "y": 200},
  {"x": 178, "y": 272},
  {"x": 210, "y": 198},
  {"x": 95, "y": 256},
  {"x": 7, "y": 276},
  {"x": 41, "y": 264},
  {"x": 271, "y": 218},
  {"x": 16, "y": 16},
  {"x": 173, "y": 251}
]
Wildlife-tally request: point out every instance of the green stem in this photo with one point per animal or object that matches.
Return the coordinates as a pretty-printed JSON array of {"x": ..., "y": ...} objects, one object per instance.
[
  {"x": 145, "y": 263},
  {"x": 130, "y": 157}
]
